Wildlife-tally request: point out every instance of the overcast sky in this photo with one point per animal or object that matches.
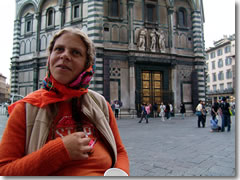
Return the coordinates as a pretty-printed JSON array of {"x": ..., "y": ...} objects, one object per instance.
[{"x": 219, "y": 21}]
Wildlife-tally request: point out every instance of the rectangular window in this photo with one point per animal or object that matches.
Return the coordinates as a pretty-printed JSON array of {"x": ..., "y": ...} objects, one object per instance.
[
  {"x": 212, "y": 55},
  {"x": 221, "y": 87},
  {"x": 150, "y": 11},
  {"x": 214, "y": 87},
  {"x": 229, "y": 74},
  {"x": 76, "y": 10},
  {"x": 28, "y": 26},
  {"x": 220, "y": 75},
  {"x": 228, "y": 61},
  {"x": 219, "y": 52},
  {"x": 229, "y": 85},
  {"x": 220, "y": 63},
  {"x": 115, "y": 8},
  {"x": 227, "y": 49},
  {"x": 214, "y": 77},
  {"x": 213, "y": 65}
]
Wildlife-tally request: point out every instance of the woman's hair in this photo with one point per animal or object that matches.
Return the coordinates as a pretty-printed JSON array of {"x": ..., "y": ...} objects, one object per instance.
[{"x": 87, "y": 41}]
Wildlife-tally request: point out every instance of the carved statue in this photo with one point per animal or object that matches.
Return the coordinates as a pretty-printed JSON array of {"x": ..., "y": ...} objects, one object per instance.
[
  {"x": 153, "y": 40},
  {"x": 161, "y": 41},
  {"x": 142, "y": 39}
]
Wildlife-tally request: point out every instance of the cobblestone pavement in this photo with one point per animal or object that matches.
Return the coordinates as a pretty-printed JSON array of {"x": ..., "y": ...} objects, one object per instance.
[{"x": 175, "y": 147}]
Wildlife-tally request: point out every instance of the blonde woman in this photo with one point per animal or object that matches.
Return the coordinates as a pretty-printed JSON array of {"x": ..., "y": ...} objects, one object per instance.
[{"x": 63, "y": 129}]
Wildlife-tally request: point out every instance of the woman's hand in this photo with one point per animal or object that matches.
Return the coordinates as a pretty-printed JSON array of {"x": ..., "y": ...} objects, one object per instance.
[{"x": 77, "y": 145}]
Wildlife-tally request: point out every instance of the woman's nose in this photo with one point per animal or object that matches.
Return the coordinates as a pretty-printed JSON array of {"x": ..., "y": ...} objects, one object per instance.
[{"x": 66, "y": 55}]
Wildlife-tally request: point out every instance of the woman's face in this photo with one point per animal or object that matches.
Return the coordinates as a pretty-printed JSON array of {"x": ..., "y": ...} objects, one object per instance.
[{"x": 68, "y": 58}]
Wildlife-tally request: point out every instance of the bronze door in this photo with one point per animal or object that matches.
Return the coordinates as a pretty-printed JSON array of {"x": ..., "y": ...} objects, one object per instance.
[{"x": 152, "y": 85}]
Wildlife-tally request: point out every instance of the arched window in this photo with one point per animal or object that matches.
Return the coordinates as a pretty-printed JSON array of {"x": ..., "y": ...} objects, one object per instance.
[
  {"x": 182, "y": 17},
  {"x": 50, "y": 17}
]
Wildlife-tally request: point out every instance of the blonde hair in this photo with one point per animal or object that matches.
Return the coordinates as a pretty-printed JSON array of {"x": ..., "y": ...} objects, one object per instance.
[{"x": 87, "y": 41}]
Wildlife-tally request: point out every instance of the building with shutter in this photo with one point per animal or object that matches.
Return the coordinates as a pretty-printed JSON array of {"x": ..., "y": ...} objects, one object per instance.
[{"x": 221, "y": 69}]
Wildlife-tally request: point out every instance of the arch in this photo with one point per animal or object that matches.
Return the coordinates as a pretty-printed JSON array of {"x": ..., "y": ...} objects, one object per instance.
[
  {"x": 28, "y": 46},
  {"x": 183, "y": 40},
  {"x": 43, "y": 42},
  {"x": 182, "y": 17},
  {"x": 23, "y": 7},
  {"x": 49, "y": 38},
  {"x": 50, "y": 16},
  {"x": 115, "y": 33},
  {"x": 33, "y": 45},
  {"x": 22, "y": 47},
  {"x": 123, "y": 34}
]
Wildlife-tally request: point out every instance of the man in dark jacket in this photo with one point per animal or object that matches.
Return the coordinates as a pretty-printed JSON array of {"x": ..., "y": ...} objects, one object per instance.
[
  {"x": 215, "y": 108},
  {"x": 226, "y": 121}
]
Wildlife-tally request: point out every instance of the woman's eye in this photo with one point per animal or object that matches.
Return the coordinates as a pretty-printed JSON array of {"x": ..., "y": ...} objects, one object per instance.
[
  {"x": 58, "y": 49},
  {"x": 75, "y": 52}
]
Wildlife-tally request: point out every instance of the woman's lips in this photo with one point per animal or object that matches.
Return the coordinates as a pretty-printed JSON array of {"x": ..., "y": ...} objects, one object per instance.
[{"x": 61, "y": 66}]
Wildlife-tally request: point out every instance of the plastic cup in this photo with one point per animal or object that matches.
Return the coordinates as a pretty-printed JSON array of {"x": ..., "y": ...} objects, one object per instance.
[{"x": 115, "y": 172}]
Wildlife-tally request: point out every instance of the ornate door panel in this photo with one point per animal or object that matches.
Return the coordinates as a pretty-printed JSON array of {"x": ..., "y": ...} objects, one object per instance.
[{"x": 152, "y": 87}]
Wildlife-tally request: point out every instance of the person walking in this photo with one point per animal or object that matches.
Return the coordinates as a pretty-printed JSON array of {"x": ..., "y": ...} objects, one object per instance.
[
  {"x": 226, "y": 118},
  {"x": 148, "y": 110},
  {"x": 199, "y": 112},
  {"x": 162, "y": 111},
  {"x": 143, "y": 113},
  {"x": 204, "y": 114},
  {"x": 171, "y": 110},
  {"x": 117, "y": 109},
  {"x": 182, "y": 110},
  {"x": 155, "y": 110},
  {"x": 64, "y": 128},
  {"x": 167, "y": 112}
]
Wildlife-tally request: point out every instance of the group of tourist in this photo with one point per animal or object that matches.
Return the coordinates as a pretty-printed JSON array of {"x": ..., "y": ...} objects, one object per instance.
[
  {"x": 219, "y": 110},
  {"x": 158, "y": 111}
]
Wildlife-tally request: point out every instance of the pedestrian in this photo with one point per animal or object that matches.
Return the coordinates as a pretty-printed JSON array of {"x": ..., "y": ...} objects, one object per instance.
[
  {"x": 155, "y": 110},
  {"x": 214, "y": 125},
  {"x": 214, "y": 109},
  {"x": 143, "y": 113},
  {"x": 113, "y": 106},
  {"x": 226, "y": 118},
  {"x": 117, "y": 108},
  {"x": 171, "y": 110},
  {"x": 182, "y": 110},
  {"x": 204, "y": 114},
  {"x": 162, "y": 111},
  {"x": 167, "y": 112},
  {"x": 199, "y": 112},
  {"x": 148, "y": 110},
  {"x": 64, "y": 128}
]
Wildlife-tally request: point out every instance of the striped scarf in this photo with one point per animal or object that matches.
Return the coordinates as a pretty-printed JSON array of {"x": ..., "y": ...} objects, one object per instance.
[{"x": 80, "y": 83}]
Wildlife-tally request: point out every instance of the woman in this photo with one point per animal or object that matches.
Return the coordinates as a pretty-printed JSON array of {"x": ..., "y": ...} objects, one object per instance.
[
  {"x": 162, "y": 111},
  {"x": 63, "y": 129},
  {"x": 182, "y": 110}
]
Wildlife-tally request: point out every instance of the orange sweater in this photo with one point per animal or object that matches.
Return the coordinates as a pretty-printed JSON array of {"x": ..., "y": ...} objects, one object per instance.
[{"x": 53, "y": 158}]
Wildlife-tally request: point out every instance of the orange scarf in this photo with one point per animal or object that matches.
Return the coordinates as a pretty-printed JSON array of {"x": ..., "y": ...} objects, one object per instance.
[{"x": 42, "y": 97}]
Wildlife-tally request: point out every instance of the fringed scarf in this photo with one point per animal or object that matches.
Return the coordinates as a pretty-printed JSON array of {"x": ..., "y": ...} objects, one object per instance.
[{"x": 53, "y": 92}]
